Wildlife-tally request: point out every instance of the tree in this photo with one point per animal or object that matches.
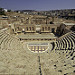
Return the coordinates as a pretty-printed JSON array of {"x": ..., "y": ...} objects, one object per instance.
[
  {"x": 60, "y": 30},
  {"x": 51, "y": 22},
  {"x": 9, "y": 10},
  {"x": 2, "y": 11}
]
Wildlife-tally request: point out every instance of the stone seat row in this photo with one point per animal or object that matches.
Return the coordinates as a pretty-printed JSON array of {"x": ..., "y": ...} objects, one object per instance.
[
  {"x": 66, "y": 43},
  {"x": 8, "y": 41}
]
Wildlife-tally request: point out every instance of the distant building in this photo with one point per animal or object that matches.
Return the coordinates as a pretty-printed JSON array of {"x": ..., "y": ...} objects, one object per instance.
[{"x": 5, "y": 10}]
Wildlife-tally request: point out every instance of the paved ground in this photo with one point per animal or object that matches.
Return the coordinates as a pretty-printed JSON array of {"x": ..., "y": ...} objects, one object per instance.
[{"x": 36, "y": 36}]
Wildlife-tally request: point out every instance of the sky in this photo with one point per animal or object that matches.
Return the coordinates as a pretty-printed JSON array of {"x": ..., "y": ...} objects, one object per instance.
[{"x": 39, "y": 5}]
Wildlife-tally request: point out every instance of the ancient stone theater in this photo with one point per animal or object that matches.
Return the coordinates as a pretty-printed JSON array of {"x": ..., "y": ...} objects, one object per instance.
[{"x": 36, "y": 45}]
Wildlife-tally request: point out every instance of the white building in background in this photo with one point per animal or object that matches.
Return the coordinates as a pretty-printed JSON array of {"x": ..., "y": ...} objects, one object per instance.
[{"x": 5, "y": 10}]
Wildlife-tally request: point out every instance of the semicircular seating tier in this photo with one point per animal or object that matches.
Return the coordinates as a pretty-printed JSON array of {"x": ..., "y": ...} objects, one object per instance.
[
  {"x": 64, "y": 47},
  {"x": 16, "y": 59},
  {"x": 8, "y": 42}
]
